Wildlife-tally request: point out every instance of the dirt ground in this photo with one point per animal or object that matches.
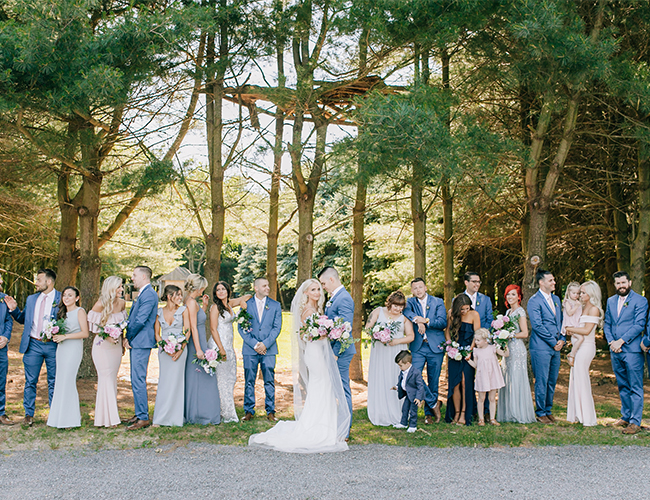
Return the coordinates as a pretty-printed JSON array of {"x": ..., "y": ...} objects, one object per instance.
[{"x": 603, "y": 385}]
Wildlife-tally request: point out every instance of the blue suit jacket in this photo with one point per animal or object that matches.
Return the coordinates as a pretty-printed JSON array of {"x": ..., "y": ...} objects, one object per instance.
[
  {"x": 265, "y": 331},
  {"x": 341, "y": 306},
  {"x": 26, "y": 316},
  {"x": 6, "y": 321},
  {"x": 630, "y": 324},
  {"x": 414, "y": 385},
  {"x": 484, "y": 309},
  {"x": 435, "y": 330},
  {"x": 140, "y": 330},
  {"x": 545, "y": 325}
]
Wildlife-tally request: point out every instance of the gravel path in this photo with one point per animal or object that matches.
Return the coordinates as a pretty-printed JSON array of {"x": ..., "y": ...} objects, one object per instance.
[{"x": 364, "y": 472}]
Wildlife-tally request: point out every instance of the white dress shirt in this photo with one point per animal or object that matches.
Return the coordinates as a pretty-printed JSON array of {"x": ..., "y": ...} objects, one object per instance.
[
  {"x": 260, "y": 303},
  {"x": 49, "y": 300},
  {"x": 472, "y": 298},
  {"x": 405, "y": 373},
  {"x": 338, "y": 289},
  {"x": 621, "y": 301},
  {"x": 549, "y": 300}
]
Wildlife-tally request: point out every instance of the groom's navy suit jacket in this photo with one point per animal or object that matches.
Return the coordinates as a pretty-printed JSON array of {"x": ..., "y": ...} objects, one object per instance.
[
  {"x": 630, "y": 324},
  {"x": 341, "y": 306},
  {"x": 264, "y": 330},
  {"x": 26, "y": 317},
  {"x": 140, "y": 329},
  {"x": 414, "y": 385},
  {"x": 546, "y": 326}
]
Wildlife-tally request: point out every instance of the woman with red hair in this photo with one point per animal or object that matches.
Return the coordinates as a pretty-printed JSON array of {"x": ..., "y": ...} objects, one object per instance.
[{"x": 515, "y": 399}]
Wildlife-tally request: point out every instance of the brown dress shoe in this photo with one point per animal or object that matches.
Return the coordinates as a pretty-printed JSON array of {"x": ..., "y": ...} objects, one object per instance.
[
  {"x": 436, "y": 411},
  {"x": 271, "y": 417},
  {"x": 631, "y": 429},
  {"x": 131, "y": 421},
  {"x": 28, "y": 421},
  {"x": 621, "y": 423},
  {"x": 140, "y": 424},
  {"x": 428, "y": 419},
  {"x": 544, "y": 420},
  {"x": 551, "y": 418},
  {"x": 4, "y": 420},
  {"x": 247, "y": 417}
]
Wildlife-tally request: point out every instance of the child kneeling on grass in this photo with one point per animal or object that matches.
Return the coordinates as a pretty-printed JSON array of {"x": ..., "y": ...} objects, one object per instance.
[{"x": 410, "y": 386}]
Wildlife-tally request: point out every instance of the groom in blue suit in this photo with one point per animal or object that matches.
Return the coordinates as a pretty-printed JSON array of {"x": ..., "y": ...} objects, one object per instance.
[
  {"x": 6, "y": 324},
  {"x": 546, "y": 341},
  {"x": 39, "y": 308},
  {"x": 482, "y": 304},
  {"x": 339, "y": 305},
  {"x": 429, "y": 317},
  {"x": 260, "y": 347},
  {"x": 140, "y": 339},
  {"x": 625, "y": 323}
]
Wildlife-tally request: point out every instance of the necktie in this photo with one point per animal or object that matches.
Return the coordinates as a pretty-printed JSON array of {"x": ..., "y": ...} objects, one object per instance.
[
  {"x": 550, "y": 303},
  {"x": 260, "y": 309},
  {"x": 39, "y": 319},
  {"x": 620, "y": 305}
]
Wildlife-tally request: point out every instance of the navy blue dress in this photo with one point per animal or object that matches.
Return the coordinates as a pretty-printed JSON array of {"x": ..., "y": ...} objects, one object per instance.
[{"x": 455, "y": 371}]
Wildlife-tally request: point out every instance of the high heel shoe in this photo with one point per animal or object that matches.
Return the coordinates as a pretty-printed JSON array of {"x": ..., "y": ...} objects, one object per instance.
[
  {"x": 458, "y": 422},
  {"x": 456, "y": 418}
]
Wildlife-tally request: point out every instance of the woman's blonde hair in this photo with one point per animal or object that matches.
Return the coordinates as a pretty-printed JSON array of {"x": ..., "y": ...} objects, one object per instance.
[
  {"x": 595, "y": 298},
  {"x": 482, "y": 333},
  {"x": 304, "y": 299},
  {"x": 108, "y": 296},
  {"x": 192, "y": 283},
  {"x": 573, "y": 284}
]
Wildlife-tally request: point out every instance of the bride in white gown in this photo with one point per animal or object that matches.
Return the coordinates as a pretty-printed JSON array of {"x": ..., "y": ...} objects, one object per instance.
[{"x": 322, "y": 417}]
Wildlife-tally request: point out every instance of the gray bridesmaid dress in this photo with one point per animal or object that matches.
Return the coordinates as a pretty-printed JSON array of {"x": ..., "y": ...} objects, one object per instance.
[
  {"x": 65, "y": 410},
  {"x": 202, "y": 402},
  {"x": 170, "y": 396}
]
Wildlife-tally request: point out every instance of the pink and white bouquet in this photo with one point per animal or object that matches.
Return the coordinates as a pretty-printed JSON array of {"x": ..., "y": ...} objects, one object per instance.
[
  {"x": 173, "y": 343},
  {"x": 316, "y": 327},
  {"x": 503, "y": 330},
  {"x": 383, "y": 332},
  {"x": 454, "y": 350},
  {"x": 52, "y": 327},
  {"x": 112, "y": 331},
  {"x": 212, "y": 358},
  {"x": 341, "y": 331}
]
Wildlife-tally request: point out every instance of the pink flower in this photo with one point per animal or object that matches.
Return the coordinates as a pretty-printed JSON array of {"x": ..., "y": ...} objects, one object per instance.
[
  {"x": 169, "y": 349},
  {"x": 211, "y": 355},
  {"x": 452, "y": 352},
  {"x": 336, "y": 333},
  {"x": 113, "y": 331},
  {"x": 325, "y": 322},
  {"x": 55, "y": 330},
  {"x": 497, "y": 324}
]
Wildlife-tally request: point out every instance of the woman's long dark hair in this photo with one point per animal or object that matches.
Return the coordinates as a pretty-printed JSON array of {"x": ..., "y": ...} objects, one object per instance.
[
  {"x": 169, "y": 291},
  {"x": 63, "y": 309},
  {"x": 456, "y": 305},
  {"x": 220, "y": 305}
]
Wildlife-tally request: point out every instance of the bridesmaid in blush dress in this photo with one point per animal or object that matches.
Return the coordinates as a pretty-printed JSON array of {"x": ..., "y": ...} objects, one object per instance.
[
  {"x": 202, "y": 401},
  {"x": 110, "y": 309},
  {"x": 172, "y": 319},
  {"x": 580, "y": 406},
  {"x": 222, "y": 317},
  {"x": 65, "y": 412},
  {"x": 384, "y": 408},
  {"x": 463, "y": 321}
]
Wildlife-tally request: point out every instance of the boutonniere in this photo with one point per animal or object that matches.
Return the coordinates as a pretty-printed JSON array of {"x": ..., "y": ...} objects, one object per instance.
[
  {"x": 329, "y": 303},
  {"x": 625, "y": 304},
  {"x": 427, "y": 308},
  {"x": 478, "y": 303},
  {"x": 266, "y": 307}
]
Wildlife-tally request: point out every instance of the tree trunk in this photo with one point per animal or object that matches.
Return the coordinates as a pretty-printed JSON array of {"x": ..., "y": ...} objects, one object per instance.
[
  {"x": 68, "y": 259},
  {"x": 447, "y": 203},
  {"x": 356, "y": 284},
  {"x": 419, "y": 226},
  {"x": 640, "y": 243}
]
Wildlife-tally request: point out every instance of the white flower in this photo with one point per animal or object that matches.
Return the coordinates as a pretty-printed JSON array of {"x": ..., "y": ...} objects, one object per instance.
[{"x": 458, "y": 357}]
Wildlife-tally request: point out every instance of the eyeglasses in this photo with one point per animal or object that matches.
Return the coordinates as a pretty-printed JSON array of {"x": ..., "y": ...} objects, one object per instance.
[{"x": 478, "y": 282}]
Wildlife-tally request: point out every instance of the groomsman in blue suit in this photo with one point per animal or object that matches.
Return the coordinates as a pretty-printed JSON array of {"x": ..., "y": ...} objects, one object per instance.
[
  {"x": 6, "y": 324},
  {"x": 339, "y": 305},
  {"x": 625, "y": 323},
  {"x": 260, "y": 347},
  {"x": 482, "y": 304},
  {"x": 430, "y": 317},
  {"x": 546, "y": 341},
  {"x": 140, "y": 339},
  {"x": 39, "y": 308}
]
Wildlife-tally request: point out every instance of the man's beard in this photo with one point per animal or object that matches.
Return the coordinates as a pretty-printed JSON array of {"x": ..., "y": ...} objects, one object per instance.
[{"x": 622, "y": 291}]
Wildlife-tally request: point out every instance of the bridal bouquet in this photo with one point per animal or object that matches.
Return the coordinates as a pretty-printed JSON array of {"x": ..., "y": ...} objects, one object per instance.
[
  {"x": 316, "y": 327},
  {"x": 173, "y": 343},
  {"x": 52, "y": 327},
  {"x": 243, "y": 320},
  {"x": 454, "y": 350},
  {"x": 113, "y": 330},
  {"x": 212, "y": 358},
  {"x": 382, "y": 332},
  {"x": 341, "y": 331},
  {"x": 503, "y": 329}
]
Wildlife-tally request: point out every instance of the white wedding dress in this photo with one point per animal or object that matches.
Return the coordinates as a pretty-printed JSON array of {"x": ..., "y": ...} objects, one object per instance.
[
  {"x": 322, "y": 423},
  {"x": 227, "y": 371}
]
